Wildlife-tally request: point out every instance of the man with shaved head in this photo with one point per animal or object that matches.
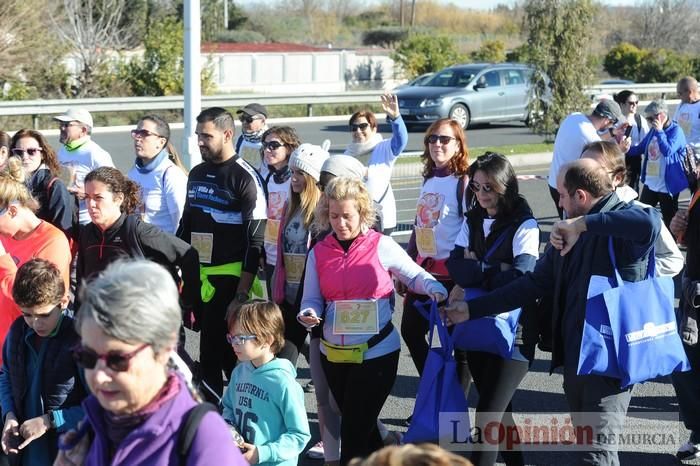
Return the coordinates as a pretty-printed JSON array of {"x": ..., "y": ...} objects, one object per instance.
[
  {"x": 688, "y": 112},
  {"x": 579, "y": 251}
]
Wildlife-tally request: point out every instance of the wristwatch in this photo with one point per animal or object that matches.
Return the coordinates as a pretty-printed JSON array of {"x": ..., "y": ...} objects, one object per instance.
[
  {"x": 52, "y": 419},
  {"x": 241, "y": 297}
]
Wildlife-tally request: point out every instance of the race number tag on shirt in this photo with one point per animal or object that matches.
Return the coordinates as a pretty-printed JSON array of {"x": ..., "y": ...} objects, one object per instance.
[
  {"x": 204, "y": 244},
  {"x": 653, "y": 168},
  {"x": 425, "y": 241},
  {"x": 356, "y": 317},
  {"x": 272, "y": 229},
  {"x": 653, "y": 158},
  {"x": 294, "y": 267}
]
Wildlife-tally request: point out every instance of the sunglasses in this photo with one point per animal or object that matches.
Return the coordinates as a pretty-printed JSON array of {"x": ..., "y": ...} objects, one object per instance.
[
  {"x": 31, "y": 151},
  {"x": 115, "y": 360},
  {"x": 143, "y": 133},
  {"x": 272, "y": 145},
  {"x": 434, "y": 138},
  {"x": 248, "y": 119},
  {"x": 632, "y": 102},
  {"x": 651, "y": 119},
  {"x": 66, "y": 124},
  {"x": 476, "y": 187},
  {"x": 236, "y": 340},
  {"x": 361, "y": 126}
]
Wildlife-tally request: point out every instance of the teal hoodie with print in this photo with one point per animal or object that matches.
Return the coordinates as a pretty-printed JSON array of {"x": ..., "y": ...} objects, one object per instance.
[{"x": 266, "y": 404}]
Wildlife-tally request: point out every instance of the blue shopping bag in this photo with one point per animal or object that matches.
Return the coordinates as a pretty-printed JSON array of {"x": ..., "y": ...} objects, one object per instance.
[
  {"x": 640, "y": 331},
  {"x": 439, "y": 389},
  {"x": 493, "y": 334}
]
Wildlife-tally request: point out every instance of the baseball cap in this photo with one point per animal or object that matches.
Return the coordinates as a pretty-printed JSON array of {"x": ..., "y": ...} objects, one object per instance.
[
  {"x": 76, "y": 114},
  {"x": 609, "y": 109},
  {"x": 253, "y": 109}
]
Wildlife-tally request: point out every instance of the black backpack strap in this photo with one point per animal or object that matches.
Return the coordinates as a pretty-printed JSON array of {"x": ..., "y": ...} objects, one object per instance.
[
  {"x": 461, "y": 186},
  {"x": 638, "y": 120},
  {"x": 189, "y": 427}
]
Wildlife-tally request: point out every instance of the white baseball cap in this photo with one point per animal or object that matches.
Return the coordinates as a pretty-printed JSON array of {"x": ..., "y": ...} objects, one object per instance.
[{"x": 76, "y": 114}]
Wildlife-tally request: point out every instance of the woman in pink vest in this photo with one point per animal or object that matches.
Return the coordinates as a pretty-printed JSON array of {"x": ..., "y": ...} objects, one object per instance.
[{"x": 349, "y": 290}]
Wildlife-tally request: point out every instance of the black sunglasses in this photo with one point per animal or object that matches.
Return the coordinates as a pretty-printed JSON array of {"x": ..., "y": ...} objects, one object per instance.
[
  {"x": 31, "y": 151},
  {"x": 433, "y": 138},
  {"x": 115, "y": 360},
  {"x": 361, "y": 126},
  {"x": 476, "y": 187},
  {"x": 248, "y": 119},
  {"x": 272, "y": 145}
]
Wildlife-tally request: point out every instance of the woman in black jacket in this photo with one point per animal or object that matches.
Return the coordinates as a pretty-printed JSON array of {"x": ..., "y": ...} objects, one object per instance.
[
  {"x": 42, "y": 177},
  {"x": 499, "y": 242},
  {"x": 115, "y": 232}
]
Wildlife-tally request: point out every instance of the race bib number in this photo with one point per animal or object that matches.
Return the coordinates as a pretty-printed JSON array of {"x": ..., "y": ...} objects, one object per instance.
[
  {"x": 204, "y": 244},
  {"x": 425, "y": 241},
  {"x": 653, "y": 169},
  {"x": 250, "y": 155},
  {"x": 272, "y": 229},
  {"x": 356, "y": 317},
  {"x": 294, "y": 267}
]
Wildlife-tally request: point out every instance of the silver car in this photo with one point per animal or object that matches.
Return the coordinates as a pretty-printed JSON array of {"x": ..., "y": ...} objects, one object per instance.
[{"x": 474, "y": 93}]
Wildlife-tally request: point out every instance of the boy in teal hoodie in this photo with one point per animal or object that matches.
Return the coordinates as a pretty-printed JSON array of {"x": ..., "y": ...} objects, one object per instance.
[{"x": 263, "y": 400}]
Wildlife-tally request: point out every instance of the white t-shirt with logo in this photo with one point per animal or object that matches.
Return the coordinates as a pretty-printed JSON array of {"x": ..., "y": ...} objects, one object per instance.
[
  {"x": 688, "y": 118},
  {"x": 655, "y": 167},
  {"x": 437, "y": 216}
]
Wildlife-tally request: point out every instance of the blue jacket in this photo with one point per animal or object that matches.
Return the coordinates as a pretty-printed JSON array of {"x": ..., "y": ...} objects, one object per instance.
[
  {"x": 672, "y": 145},
  {"x": 266, "y": 404},
  {"x": 634, "y": 231}
]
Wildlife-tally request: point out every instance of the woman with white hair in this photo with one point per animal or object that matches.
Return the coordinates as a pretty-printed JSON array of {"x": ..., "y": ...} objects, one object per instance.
[{"x": 128, "y": 323}]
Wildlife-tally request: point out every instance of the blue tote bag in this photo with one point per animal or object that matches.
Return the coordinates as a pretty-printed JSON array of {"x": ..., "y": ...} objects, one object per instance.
[
  {"x": 640, "y": 332},
  {"x": 439, "y": 389},
  {"x": 493, "y": 334}
]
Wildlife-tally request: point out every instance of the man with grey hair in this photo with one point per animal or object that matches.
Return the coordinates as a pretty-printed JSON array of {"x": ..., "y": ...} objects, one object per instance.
[
  {"x": 576, "y": 131},
  {"x": 663, "y": 149},
  {"x": 79, "y": 154},
  {"x": 688, "y": 112}
]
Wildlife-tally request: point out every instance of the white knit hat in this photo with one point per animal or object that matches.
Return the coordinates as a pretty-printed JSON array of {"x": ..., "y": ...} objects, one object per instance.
[{"x": 309, "y": 158}]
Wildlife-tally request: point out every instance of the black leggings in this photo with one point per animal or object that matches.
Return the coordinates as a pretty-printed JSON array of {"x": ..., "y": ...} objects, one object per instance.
[
  {"x": 360, "y": 391},
  {"x": 496, "y": 380},
  {"x": 294, "y": 334},
  {"x": 215, "y": 354},
  {"x": 414, "y": 328},
  {"x": 668, "y": 203}
]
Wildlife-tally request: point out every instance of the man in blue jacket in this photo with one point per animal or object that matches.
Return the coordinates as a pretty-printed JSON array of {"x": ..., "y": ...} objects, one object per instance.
[{"x": 580, "y": 250}]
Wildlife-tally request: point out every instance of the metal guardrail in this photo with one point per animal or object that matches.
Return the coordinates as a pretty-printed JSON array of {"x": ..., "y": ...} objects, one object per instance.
[{"x": 144, "y": 104}]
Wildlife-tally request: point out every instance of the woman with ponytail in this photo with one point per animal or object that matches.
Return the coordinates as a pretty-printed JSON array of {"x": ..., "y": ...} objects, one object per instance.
[
  {"x": 159, "y": 172},
  {"x": 115, "y": 232}
]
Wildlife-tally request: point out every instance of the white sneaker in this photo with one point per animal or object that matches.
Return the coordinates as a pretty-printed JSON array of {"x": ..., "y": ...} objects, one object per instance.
[
  {"x": 315, "y": 452},
  {"x": 688, "y": 451}
]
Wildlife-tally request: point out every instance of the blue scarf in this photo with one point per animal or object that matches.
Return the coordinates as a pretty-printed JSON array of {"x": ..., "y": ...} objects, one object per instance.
[{"x": 152, "y": 164}]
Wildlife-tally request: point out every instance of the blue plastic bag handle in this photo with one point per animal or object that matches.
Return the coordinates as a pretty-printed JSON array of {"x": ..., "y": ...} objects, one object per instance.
[
  {"x": 651, "y": 263},
  {"x": 434, "y": 321}
]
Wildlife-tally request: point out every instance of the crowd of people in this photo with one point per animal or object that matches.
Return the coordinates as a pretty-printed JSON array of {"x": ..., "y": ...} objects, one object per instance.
[{"x": 272, "y": 248}]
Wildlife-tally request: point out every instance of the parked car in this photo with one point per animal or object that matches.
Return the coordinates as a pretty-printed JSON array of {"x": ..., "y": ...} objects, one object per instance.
[
  {"x": 419, "y": 81},
  {"x": 469, "y": 93}
]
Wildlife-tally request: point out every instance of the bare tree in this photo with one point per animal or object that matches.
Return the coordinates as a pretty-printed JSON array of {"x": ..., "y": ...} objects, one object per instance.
[
  {"x": 670, "y": 24},
  {"x": 91, "y": 28},
  {"x": 20, "y": 35}
]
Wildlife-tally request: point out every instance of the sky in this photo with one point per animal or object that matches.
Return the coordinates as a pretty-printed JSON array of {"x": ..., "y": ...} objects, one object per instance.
[{"x": 478, "y": 4}]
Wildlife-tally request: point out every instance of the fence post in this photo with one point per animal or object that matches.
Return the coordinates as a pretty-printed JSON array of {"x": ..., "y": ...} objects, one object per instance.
[
  {"x": 35, "y": 122},
  {"x": 309, "y": 110}
]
